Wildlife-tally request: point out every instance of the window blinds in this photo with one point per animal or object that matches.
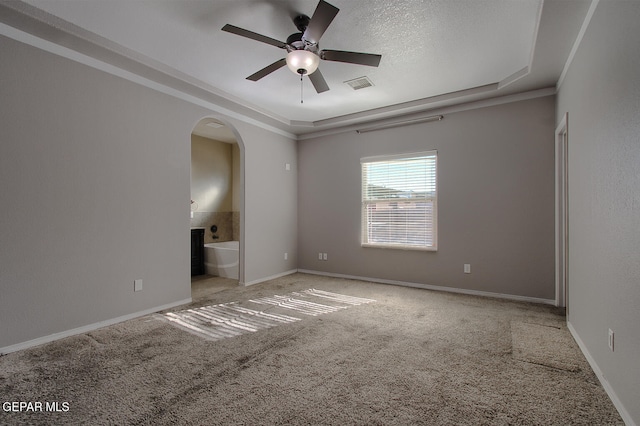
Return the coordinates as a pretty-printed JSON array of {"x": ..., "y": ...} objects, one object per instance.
[{"x": 399, "y": 201}]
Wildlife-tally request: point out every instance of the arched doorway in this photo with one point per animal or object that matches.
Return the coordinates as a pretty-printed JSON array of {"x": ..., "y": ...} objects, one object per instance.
[{"x": 217, "y": 204}]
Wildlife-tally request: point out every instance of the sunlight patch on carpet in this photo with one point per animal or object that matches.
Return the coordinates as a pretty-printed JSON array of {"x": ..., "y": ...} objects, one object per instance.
[
  {"x": 543, "y": 345},
  {"x": 299, "y": 301},
  {"x": 349, "y": 300},
  {"x": 217, "y": 322},
  {"x": 226, "y": 320}
]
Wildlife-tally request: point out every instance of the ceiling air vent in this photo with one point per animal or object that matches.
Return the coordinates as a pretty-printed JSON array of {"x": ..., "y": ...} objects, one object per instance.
[{"x": 359, "y": 83}]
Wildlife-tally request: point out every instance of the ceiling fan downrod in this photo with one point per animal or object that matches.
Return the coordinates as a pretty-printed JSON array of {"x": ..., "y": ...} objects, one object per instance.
[{"x": 301, "y": 22}]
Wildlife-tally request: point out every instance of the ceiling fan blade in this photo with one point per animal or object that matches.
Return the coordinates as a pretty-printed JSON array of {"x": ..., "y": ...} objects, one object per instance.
[
  {"x": 253, "y": 36},
  {"x": 268, "y": 70},
  {"x": 318, "y": 81},
  {"x": 320, "y": 21},
  {"x": 351, "y": 57}
]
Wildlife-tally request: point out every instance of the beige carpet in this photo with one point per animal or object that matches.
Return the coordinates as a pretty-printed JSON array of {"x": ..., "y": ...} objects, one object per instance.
[
  {"x": 406, "y": 356},
  {"x": 544, "y": 344}
]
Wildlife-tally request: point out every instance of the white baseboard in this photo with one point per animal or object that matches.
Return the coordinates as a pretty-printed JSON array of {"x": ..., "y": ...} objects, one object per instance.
[
  {"x": 626, "y": 417},
  {"x": 435, "y": 287},
  {"x": 87, "y": 328},
  {"x": 272, "y": 277}
]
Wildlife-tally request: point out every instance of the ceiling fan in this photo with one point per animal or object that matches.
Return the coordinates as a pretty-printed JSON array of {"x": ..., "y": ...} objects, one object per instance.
[{"x": 304, "y": 53}]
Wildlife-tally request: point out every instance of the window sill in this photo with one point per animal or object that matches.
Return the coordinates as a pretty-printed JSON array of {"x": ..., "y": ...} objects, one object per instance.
[{"x": 398, "y": 247}]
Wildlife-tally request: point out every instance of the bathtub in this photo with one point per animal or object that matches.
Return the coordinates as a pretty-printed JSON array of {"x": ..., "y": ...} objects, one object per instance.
[{"x": 222, "y": 259}]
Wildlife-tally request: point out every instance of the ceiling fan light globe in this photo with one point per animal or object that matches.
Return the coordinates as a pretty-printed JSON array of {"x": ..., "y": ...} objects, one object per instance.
[{"x": 302, "y": 61}]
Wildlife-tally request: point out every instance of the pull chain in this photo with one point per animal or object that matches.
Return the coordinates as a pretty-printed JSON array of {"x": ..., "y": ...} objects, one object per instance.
[{"x": 301, "y": 101}]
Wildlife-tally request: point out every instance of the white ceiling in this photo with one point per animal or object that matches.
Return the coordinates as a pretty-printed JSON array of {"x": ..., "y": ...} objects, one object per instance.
[{"x": 429, "y": 48}]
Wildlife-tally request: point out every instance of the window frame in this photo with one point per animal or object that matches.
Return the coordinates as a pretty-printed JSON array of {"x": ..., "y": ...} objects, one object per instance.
[{"x": 364, "y": 229}]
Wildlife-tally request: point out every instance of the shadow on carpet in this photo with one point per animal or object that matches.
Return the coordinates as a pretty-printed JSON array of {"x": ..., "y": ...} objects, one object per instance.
[{"x": 544, "y": 345}]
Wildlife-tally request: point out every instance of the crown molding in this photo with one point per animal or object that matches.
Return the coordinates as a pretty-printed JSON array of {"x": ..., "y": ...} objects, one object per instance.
[
  {"x": 438, "y": 111},
  {"x": 30, "y": 25},
  {"x": 576, "y": 44},
  {"x": 405, "y": 107}
]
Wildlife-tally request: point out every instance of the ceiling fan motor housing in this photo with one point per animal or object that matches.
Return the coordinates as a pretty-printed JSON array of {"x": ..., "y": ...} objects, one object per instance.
[{"x": 295, "y": 40}]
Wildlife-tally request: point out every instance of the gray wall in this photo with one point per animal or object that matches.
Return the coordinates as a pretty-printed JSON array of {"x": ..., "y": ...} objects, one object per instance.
[
  {"x": 95, "y": 175},
  {"x": 601, "y": 93},
  {"x": 495, "y": 201},
  {"x": 270, "y": 211}
]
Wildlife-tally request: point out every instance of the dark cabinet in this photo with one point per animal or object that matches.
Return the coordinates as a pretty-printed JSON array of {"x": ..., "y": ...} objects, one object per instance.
[{"x": 197, "y": 252}]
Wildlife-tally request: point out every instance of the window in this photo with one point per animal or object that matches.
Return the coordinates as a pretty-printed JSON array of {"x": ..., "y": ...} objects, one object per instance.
[{"x": 399, "y": 201}]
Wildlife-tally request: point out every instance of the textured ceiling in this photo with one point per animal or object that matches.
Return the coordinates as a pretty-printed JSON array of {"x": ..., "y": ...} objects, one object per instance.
[{"x": 429, "y": 48}]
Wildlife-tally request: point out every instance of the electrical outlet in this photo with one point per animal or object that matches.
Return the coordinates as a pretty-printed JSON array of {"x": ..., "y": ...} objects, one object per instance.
[
  {"x": 137, "y": 285},
  {"x": 324, "y": 256},
  {"x": 319, "y": 256},
  {"x": 286, "y": 256},
  {"x": 611, "y": 340},
  {"x": 467, "y": 268}
]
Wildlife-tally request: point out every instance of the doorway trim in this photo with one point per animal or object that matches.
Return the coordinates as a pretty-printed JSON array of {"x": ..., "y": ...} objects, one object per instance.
[{"x": 562, "y": 215}]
